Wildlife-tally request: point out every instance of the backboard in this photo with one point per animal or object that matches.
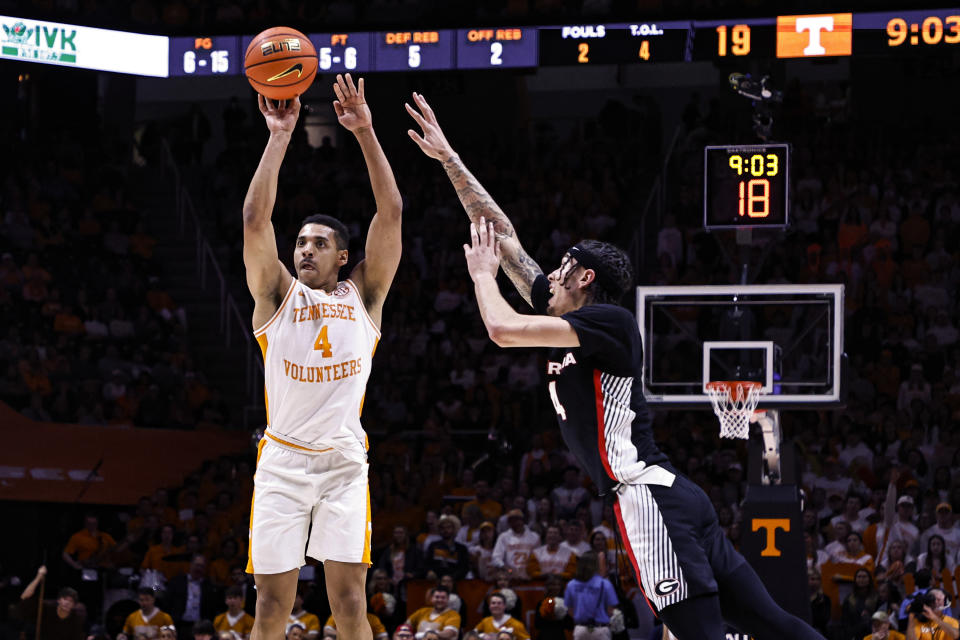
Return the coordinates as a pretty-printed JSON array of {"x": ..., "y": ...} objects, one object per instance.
[{"x": 788, "y": 337}]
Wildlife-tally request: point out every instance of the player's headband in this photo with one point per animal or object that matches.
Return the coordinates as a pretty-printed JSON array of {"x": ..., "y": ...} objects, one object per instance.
[{"x": 590, "y": 261}]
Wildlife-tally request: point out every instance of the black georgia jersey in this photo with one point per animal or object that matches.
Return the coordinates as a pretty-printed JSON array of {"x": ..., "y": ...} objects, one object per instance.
[{"x": 597, "y": 394}]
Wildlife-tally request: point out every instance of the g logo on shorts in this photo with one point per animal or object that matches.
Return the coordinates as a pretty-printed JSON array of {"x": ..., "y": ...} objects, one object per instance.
[{"x": 666, "y": 586}]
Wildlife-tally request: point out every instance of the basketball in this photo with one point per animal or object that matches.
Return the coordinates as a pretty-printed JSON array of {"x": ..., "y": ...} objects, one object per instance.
[{"x": 280, "y": 63}]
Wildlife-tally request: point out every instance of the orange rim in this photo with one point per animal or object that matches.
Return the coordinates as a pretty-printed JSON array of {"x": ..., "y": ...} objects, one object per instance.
[{"x": 742, "y": 387}]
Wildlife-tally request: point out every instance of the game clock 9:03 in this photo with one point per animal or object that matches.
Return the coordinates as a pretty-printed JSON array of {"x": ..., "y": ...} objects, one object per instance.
[
  {"x": 931, "y": 31},
  {"x": 746, "y": 186}
]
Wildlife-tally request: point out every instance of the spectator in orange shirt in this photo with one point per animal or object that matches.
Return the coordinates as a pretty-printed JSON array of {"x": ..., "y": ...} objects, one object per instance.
[
  {"x": 67, "y": 321},
  {"x": 155, "y": 558},
  {"x": 914, "y": 231},
  {"x": 142, "y": 243},
  {"x": 89, "y": 547},
  {"x": 234, "y": 619},
  {"x": 33, "y": 375},
  {"x": 144, "y": 511},
  {"x": 490, "y": 508},
  {"x": 161, "y": 505},
  {"x": 219, "y": 572}
]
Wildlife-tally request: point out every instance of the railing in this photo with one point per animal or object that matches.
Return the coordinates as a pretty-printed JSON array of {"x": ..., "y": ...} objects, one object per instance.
[
  {"x": 231, "y": 322},
  {"x": 656, "y": 204}
]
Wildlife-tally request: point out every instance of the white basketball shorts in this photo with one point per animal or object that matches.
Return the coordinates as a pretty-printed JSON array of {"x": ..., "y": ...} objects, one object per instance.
[{"x": 313, "y": 503}]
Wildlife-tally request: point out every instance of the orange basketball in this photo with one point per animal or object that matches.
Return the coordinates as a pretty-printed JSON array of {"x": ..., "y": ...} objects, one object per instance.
[{"x": 280, "y": 63}]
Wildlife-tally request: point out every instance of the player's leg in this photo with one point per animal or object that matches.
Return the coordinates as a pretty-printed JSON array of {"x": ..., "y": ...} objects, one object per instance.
[
  {"x": 747, "y": 605},
  {"x": 696, "y": 618},
  {"x": 346, "y": 589},
  {"x": 279, "y": 521},
  {"x": 275, "y": 596},
  {"x": 340, "y": 538},
  {"x": 661, "y": 528}
]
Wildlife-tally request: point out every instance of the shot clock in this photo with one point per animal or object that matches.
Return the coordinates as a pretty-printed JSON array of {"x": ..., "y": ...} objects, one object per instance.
[{"x": 746, "y": 186}]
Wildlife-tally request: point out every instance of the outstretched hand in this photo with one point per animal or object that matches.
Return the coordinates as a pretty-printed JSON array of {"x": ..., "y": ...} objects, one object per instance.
[
  {"x": 483, "y": 252},
  {"x": 351, "y": 104},
  {"x": 281, "y": 115},
  {"x": 433, "y": 142}
]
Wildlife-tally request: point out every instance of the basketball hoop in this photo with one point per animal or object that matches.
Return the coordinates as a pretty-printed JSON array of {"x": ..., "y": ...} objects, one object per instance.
[{"x": 734, "y": 403}]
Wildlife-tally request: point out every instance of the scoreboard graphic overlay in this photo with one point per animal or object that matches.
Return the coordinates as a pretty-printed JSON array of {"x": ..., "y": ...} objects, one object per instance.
[{"x": 911, "y": 31}]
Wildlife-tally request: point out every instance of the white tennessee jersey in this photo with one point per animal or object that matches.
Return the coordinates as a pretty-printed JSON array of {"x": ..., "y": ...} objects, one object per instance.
[{"x": 317, "y": 351}]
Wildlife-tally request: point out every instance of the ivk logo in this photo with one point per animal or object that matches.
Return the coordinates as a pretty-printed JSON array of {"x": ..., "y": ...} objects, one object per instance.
[
  {"x": 815, "y": 35},
  {"x": 46, "y": 42}
]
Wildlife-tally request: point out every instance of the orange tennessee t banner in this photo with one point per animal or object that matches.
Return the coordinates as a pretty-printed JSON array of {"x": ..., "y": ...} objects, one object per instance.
[
  {"x": 829, "y": 34},
  {"x": 43, "y": 461}
]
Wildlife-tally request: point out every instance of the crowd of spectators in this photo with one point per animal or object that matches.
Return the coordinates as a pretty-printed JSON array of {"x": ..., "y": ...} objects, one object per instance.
[
  {"x": 90, "y": 333},
  {"x": 878, "y": 213}
]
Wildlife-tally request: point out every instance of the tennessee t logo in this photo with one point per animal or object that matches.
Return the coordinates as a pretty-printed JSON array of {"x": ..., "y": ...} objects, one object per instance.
[
  {"x": 770, "y": 525},
  {"x": 814, "y": 25},
  {"x": 829, "y": 34}
]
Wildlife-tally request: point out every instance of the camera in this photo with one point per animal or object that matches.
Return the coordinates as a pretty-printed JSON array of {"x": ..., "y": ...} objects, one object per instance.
[
  {"x": 756, "y": 90},
  {"x": 762, "y": 97},
  {"x": 916, "y": 606}
]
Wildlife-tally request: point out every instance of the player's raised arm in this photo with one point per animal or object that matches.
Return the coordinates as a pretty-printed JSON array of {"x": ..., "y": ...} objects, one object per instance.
[
  {"x": 506, "y": 327},
  {"x": 267, "y": 278},
  {"x": 382, "y": 253},
  {"x": 516, "y": 262}
]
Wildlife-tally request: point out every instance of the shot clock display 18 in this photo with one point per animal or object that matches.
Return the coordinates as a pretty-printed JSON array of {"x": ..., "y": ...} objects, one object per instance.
[{"x": 746, "y": 186}]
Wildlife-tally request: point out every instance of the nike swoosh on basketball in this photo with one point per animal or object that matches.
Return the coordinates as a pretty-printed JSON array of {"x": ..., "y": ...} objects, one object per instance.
[{"x": 298, "y": 68}]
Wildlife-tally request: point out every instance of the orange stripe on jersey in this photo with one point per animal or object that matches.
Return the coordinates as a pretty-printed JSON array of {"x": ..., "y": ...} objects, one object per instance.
[
  {"x": 262, "y": 341},
  {"x": 253, "y": 496},
  {"x": 366, "y": 539},
  {"x": 293, "y": 285},
  {"x": 296, "y": 446}
]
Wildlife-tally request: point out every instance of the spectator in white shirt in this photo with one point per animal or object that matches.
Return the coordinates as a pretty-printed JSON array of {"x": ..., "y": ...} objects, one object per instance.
[
  {"x": 840, "y": 531},
  {"x": 852, "y": 514},
  {"x": 945, "y": 528},
  {"x": 943, "y": 331},
  {"x": 900, "y": 525},
  {"x": 831, "y": 480},
  {"x": 575, "y": 538},
  {"x": 515, "y": 545},
  {"x": 855, "y": 449},
  {"x": 670, "y": 240},
  {"x": 469, "y": 533},
  {"x": 936, "y": 557},
  {"x": 567, "y": 497},
  {"x": 914, "y": 387}
]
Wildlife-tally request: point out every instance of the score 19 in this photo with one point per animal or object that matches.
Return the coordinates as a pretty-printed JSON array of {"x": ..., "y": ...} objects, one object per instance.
[
  {"x": 754, "y": 194},
  {"x": 740, "y": 37}
]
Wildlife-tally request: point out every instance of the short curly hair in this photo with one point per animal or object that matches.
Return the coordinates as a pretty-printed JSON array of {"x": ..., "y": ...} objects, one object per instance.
[
  {"x": 617, "y": 266},
  {"x": 343, "y": 234}
]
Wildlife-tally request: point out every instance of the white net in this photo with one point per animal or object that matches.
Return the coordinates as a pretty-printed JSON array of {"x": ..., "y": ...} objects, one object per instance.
[{"x": 734, "y": 404}]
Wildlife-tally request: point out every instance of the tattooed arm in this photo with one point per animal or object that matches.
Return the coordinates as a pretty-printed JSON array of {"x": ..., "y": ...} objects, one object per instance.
[{"x": 515, "y": 261}]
